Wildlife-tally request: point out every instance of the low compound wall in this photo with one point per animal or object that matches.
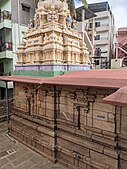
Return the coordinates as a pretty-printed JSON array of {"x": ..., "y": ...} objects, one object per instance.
[{"x": 71, "y": 125}]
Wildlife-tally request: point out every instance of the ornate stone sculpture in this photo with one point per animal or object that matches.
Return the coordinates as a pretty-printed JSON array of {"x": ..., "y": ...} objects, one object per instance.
[
  {"x": 31, "y": 24},
  {"x": 54, "y": 38},
  {"x": 52, "y": 16},
  {"x": 74, "y": 24},
  {"x": 37, "y": 21},
  {"x": 68, "y": 21}
]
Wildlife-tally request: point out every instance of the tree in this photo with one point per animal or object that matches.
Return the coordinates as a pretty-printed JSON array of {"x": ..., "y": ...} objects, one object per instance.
[
  {"x": 71, "y": 4},
  {"x": 36, "y": 2}
]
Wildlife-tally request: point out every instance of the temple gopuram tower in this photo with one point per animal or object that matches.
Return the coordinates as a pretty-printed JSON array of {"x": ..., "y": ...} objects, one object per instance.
[{"x": 52, "y": 42}]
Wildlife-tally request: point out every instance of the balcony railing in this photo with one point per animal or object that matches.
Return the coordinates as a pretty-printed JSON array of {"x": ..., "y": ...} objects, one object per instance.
[
  {"x": 6, "y": 46},
  {"x": 104, "y": 24},
  {"x": 123, "y": 43},
  {"x": 103, "y": 38},
  {"x": 5, "y": 15},
  {"x": 96, "y": 27}
]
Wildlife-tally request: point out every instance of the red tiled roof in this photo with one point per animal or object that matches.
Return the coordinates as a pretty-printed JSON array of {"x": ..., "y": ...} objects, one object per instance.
[
  {"x": 101, "y": 73},
  {"x": 94, "y": 78},
  {"x": 117, "y": 98},
  {"x": 23, "y": 79}
]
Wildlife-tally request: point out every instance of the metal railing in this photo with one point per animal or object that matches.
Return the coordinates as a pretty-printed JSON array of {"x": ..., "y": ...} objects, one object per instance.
[
  {"x": 101, "y": 25},
  {"x": 123, "y": 42},
  {"x": 5, "y": 15},
  {"x": 103, "y": 38},
  {"x": 6, "y": 46},
  {"x": 5, "y": 74}
]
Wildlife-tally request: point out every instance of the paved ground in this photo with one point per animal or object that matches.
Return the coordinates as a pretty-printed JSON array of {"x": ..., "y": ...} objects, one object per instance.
[{"x": 14, "y": 155}]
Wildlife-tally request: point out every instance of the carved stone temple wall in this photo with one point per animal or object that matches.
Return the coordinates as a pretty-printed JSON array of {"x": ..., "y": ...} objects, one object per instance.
[
  {"x": 70, "y": 125},
  {"x": 52, "y": 42}
]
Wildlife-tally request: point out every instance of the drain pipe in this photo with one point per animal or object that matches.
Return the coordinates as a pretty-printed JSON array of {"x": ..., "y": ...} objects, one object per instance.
[{"x": 6, "y": 98}]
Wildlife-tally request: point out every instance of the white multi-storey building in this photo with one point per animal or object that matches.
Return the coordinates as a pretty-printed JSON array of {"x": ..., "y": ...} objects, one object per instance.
[
  {"x": 105, "y": 34},
  {"x": 14, "y": 19},
  {"x": 102, "y": 27}
]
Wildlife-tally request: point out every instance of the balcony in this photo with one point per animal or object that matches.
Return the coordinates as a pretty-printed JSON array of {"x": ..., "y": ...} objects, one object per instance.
[
  {"x": 10, "y": 84},
  {"x": 6, "y": 50},
  {"x": 2, "y": 83},
  {"x": 6, "y": 46},
  {"x": 102, "y": 41},
  {"x": 5, "y": 19},
  {"x": 103, "y": 14},
  {"x": 102, "y": 28}
]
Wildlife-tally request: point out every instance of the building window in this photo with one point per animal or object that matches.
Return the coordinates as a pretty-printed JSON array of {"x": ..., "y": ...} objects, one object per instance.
[
  {"x": 25, "y": 8},
  {"x": 97, "y": 24},
  {"x": 97, "y": 37},
  {"x": 96, "y": 62},
  {"x": 90, "y": 25},
  {"x": 98, "y": 52}
]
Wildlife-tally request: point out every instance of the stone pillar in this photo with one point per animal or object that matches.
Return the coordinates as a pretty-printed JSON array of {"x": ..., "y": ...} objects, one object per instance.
[{"x": 54, "y": 56}]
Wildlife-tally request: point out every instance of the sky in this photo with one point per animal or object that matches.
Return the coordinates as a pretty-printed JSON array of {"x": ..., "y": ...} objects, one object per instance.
[{"x": 119, "y": 8}]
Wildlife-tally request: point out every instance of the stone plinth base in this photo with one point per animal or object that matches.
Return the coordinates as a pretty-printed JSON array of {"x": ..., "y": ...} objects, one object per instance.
[{"x": 53, "y": 67}]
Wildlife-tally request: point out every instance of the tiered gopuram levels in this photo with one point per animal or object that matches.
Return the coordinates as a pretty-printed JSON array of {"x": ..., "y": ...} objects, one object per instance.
[{"x": 52, "y": 41}]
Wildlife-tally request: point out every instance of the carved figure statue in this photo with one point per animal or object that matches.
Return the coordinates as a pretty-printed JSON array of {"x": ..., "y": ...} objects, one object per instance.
[
  {"x": 55, "y": 17},
  {"x": 31, "y": 24},
  {"x": 73, "y": 25},
  {"x": 52, "y": 16},
  {"x": 65, "y": 5},
  {"x": 37, "y": 21},
  {"x": 68, "y": 21}
]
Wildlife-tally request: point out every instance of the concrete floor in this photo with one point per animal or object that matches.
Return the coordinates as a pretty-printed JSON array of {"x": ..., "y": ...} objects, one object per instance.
[{"x": 14, "y": 155}]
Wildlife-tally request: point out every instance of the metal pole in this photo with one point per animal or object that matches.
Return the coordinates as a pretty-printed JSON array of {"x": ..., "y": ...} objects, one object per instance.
[
  {"x": 83, "y": 23},
  {"x": 93, "y": 34},
  {"x": 117, "y": 51},
  {"x": 6, "y": 96},
  {"x": 18, "y": 19}
]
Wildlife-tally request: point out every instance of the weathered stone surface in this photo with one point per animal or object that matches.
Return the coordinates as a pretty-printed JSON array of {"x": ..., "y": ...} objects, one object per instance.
[
  {"x": 107, "y": 126},
  {"x": 123, "y": 164},
  {"x": 111, "y": 152},
  {"x": 123, "y": 155},
  {"x": 76, "y": 133},
  {"x": 104, "y": 159}
]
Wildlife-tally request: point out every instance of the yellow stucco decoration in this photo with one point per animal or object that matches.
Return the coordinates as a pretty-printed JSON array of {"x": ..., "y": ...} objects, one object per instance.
[{"x": 52, "y": 37}]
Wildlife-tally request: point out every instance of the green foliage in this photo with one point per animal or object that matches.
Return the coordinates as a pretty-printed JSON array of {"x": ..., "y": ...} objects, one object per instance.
[{"x": 71, "y": 4}]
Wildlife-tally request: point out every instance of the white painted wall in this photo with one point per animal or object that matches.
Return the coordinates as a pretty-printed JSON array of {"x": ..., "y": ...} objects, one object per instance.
[
  {"x": 5, "y": 5},
  {"x": 17, "y": 35}
]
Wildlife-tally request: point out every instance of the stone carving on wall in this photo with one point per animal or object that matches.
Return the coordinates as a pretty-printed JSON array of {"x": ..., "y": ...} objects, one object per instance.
[{"x": 53, "y": 34}]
